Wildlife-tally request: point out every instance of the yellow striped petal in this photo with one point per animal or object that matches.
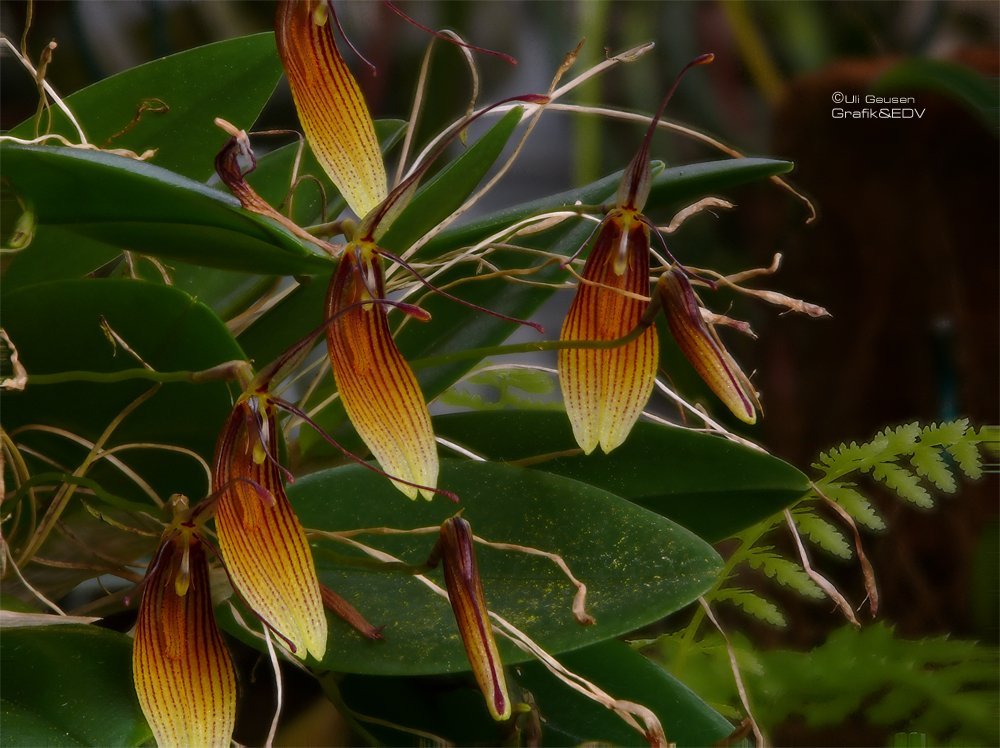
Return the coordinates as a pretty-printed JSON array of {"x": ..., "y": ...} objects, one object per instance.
[
  {"x": 183, "y": 674},
  {"x": 701, "y": 346},
  {"x": 465, "y": 591},
  {"x": 380, "y": 393},
  {"x": 606, "y": 390},
  {"x": 261, "y": 540},
  {"x": 333, "y": 113}
]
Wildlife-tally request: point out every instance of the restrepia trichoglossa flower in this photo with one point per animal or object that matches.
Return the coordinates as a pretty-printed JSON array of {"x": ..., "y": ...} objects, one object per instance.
[
  {"x": 456, "y": 551},
  {"x": 262, "y": 542},
  {"x": 183, "y": 673},
  {"x": 605, "y": 390}
]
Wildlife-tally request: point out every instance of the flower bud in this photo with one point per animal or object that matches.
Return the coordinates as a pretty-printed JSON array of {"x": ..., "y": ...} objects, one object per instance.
[
  {"x": 701, "y": 346},
  {"x": 465, "y": 591}
]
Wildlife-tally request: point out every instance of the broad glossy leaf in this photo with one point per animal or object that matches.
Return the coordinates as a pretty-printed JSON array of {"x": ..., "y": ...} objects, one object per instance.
[
  {"x": 232, "y": 79},
  {"x": 127, "y": 204},
  {"x": 637, "y": 565},
  {"x": 68, "y": 686},
  {"x": 57, "y": 327},
  {"x": 452, "y": 707},
  {"x": 712, "y": 486}
]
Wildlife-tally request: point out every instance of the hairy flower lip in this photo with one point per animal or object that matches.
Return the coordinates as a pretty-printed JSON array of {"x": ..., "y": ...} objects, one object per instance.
[
  {"x": 379, "y": 390},
  {"x": 465, "y": 591},
  {"x": 606, "y": 390},
  {"x": 183, "y": 673},
  {"x": 702, "y": 347},
  {"x": 263, "y": 544}
]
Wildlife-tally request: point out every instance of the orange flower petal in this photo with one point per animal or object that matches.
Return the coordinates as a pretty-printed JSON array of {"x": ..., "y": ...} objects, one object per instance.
[
  {"x": 606, "y": 390},
  {"x": 465, "y": 591},
  {"x": 701, "y": 346},
  {"x": 264, "y": 546},
  {"x": 380, "y": 393},
  {"x": 183, "y": 674},
  {"x": 333, "y": 113}
]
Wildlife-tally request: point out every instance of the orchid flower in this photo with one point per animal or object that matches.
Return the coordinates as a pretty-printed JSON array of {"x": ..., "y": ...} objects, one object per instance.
[
  {"x": 262, "y": 543},
  {"x": 606, "y": 389},
  {"x": 183, "y": 673}
]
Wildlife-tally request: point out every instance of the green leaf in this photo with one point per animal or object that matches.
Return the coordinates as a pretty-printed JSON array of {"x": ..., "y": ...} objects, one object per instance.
[
  {"x": 232, "y": 79},
  {"x": 638, "y": 567},
  {"x": 968, "y": 87},
  {"x": 127, "y": 204},
  {"x": 453, "y": 709},
  {"x": 57, "y": 327},
  {"x": 68, "y": 686},
  {"x": 712, "y": 486},
  {"x": 446, "y": 192}
]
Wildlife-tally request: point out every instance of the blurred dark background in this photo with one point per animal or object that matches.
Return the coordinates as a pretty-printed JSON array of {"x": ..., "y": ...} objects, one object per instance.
[{"x": 904, "y": 252}]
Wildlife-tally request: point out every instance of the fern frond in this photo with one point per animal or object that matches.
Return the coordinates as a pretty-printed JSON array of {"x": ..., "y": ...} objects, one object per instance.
[
  {"x": 753, "y": 605},
  {"x": 904, "y": 483},
  {"x": 950, "y": 432},
  {"x": 822, "y": 533},
  {"x": 856, "y": 505},
  {"x": 930, "y": 463},
  {"x": 785, "y": 572},
  {"x": 968, "y": 457}
]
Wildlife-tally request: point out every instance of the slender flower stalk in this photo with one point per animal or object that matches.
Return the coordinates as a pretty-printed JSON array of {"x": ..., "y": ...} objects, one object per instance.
[
  {"x": 457, "y": 552},
  {"x": 183, "y": 673},
  {"x": 262, "y": 543},
  {"x": 606, "y": 390}
]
